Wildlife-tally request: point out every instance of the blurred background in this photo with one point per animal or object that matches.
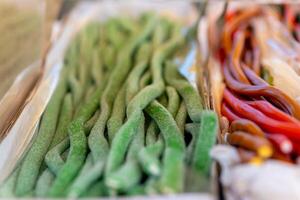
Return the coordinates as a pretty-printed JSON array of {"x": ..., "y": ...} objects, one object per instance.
[{"x": 25, "y": 29}]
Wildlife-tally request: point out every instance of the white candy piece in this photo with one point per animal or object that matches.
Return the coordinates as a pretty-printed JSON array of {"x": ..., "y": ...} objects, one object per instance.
[{"x": 272, "y": 179}]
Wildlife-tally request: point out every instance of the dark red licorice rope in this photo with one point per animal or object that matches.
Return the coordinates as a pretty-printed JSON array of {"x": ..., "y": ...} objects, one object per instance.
[
  {"x": 272, "y": 111},
  {"x": 262, "y": 90},
  {"x": 227, "y": 112},
  {"x": 256, "y": 80},
  {"x": 289, "y": 129}
]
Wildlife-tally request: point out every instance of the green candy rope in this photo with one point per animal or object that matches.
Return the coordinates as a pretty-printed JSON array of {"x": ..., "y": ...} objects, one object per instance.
[
  {"x": 75, "y": 160},
  {"x": 118, "y": 113},
  {"x": 89, "y": 172},
  {"x": 193, "y": 129},
  {"x": 115, "y": 36},
  {"x": 78, "y": 147},
  {"x": 75, "y": 88},
  {"x": 198, "y": 151},
  {"x": 173, "y": 159},
  {"x": 172, "y": 180},
  {"x": 53, "y": 159},
  {"x": 143, "y": 57},
  {"x": 81, "y": 76},
  {"x": 186, "y": 91},
  {"x": 107, "y": 54},
  {"x": 151, "y": 134},
  {"x": 204, "y": 141},
  {"x": 71, "y": 61},
  {"x": 116, "y": 180},
  {"x": 148, "y": 157},
  {"x": 88, "y": 177},
  {"x": 77, "y": 131},
  {"x": 181, "y": 116},
  {"x": 138, "y": 103},
  {"x": 127, "y": 24},
  {"x": 160, "y": 34},
  {"x": 96, "y": 190},
  {"x": 97, "y": 71},
  {"x": 117, "y": 116},
  {"x": 89, "y": 124},
  {"x": 152, "y": 186},
  {"x": 153, "y": 130},
  {"x": 145, "y": 79},
  {"x": 119, "y": 109},
  {"x": 137, "y": 190},
  {"x": 60, "y": 141},
  {"x": 43, "y": 184},
  {"x": 7, "y": 189},
  {"x": 109, "y": 58},
  {"x": 32, "y": 162},
  {"x": 87, "y": 40},
  {"x": 173, "y": 100},
  {"x": 83, "y": 181},
  {"x": 129, "y": 174},
  {"x": 64, "y": 119},
  {"x": 97, "y": 141},
  {"x": 96, "y": 138}
]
